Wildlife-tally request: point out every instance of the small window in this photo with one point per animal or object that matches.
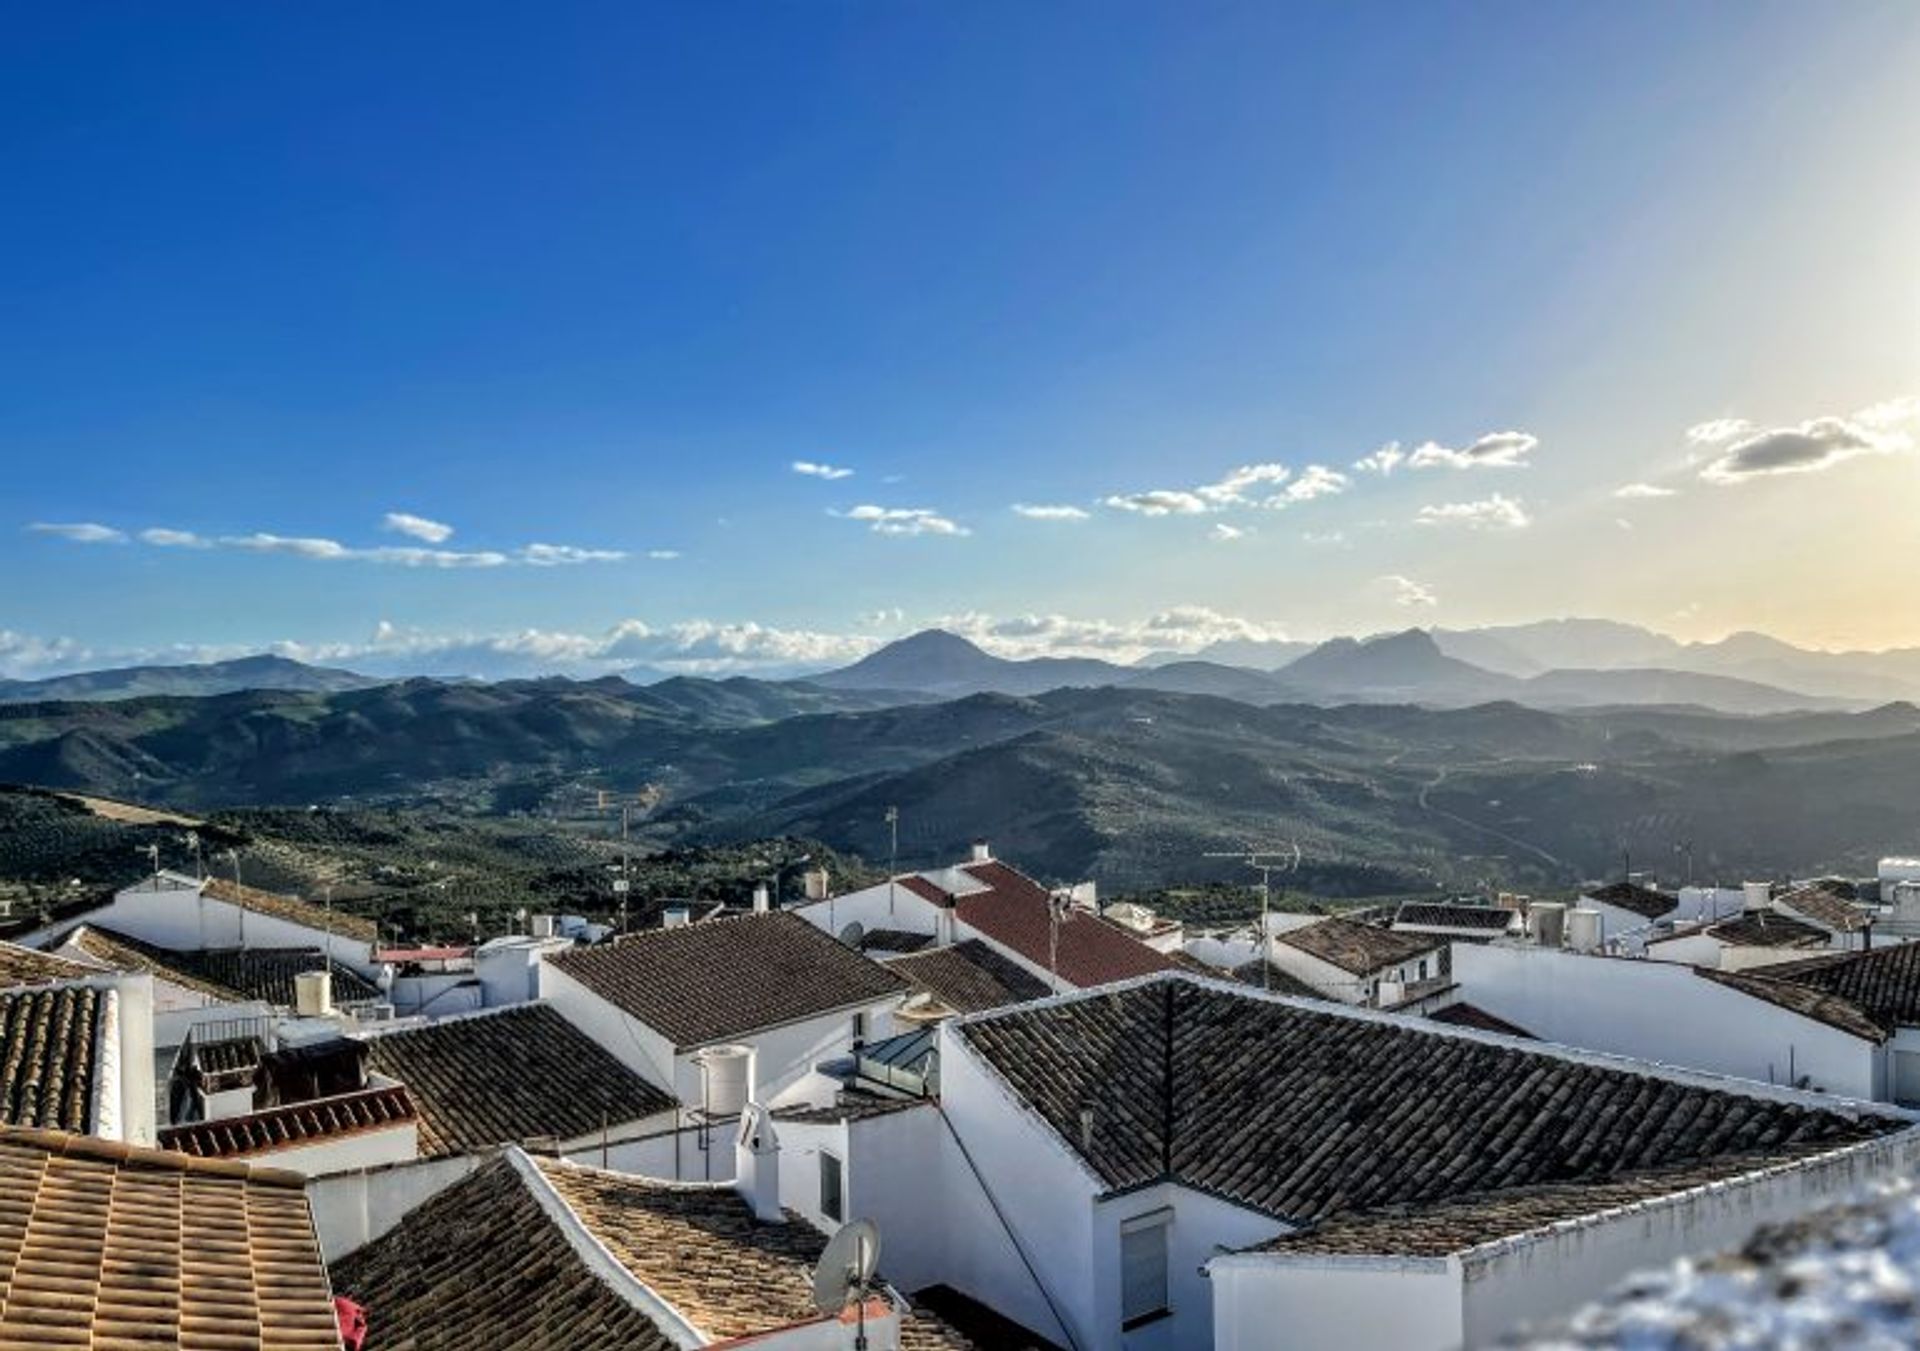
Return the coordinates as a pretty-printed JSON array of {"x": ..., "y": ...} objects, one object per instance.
[
  {"x": 1143, "y": 1269},
  {"x": 832, "y": 1188},
  {"x": 859, "y": 1029},
  {"x": 1423, "y": 968}
]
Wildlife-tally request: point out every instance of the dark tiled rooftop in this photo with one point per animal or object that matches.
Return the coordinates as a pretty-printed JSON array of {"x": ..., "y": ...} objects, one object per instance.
[
  {"x": 28, "y": 966},
  {"x": 293, "y": 909},
  {"x": 1766, "y": 929},
  {"x": 1273, "y": 980},
  {"x": 1472, "y": 1015},
  {"x": 1884, "y": 983},
  {"x": 1358, "y": 949},
  {"x": 47, "y": 1036},
  {"x": 1303, "y": 1112},
  {"x": 107, "y": 1246},
  {"x": 1807, "y": 1000},
  {"x": 1824, "y": 906},
  {"x": 522, "y": 1073},
  {"x": 707, "y": 982},
  {"x": 1642, "y": 901},
  {"x": 292, "y": 1126},
  {"x": 1016, "y": 912},
  {"x": 970, "y": 977},
  {"x": 895, "y": 940},
  {"x": 230, "y": 975},
  {"x": 1470, "y": 918}
]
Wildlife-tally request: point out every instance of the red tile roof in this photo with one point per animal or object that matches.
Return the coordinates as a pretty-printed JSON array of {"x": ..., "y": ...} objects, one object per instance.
[
  {"x": 293, "y": 1125},
  {"x": 1015, "y": 912}
]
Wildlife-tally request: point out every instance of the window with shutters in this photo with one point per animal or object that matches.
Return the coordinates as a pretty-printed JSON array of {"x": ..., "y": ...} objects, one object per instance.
[
  {"x": 831, "y": 1187},
  {"x": 1143, "y": 1269}
]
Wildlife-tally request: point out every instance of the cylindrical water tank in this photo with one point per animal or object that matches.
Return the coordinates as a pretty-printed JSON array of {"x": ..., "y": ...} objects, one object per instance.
[
  {"x": 726, "y": 1079},
  {"x": 1586, "y": 929},
  {"x": 313, "y": 994}
]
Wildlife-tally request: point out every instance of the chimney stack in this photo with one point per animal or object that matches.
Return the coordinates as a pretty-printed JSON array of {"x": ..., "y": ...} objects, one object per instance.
[
  {"x": 981, "y": 853},
  {"x": 756, "y": 1164},
  {"x": 761, "y": 899},
  {"x": 817, "y": 884}
]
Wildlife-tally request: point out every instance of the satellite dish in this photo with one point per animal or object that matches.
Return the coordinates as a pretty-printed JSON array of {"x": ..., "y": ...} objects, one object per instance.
[
  {"x": 853, "y": 933},
  {"x": 844, "y": 1273}
]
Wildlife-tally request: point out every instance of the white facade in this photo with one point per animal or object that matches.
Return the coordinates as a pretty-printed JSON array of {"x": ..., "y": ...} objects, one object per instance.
[
  {"x": 1338, "y": 983},
  {"x": 1664, "y": 1012}
]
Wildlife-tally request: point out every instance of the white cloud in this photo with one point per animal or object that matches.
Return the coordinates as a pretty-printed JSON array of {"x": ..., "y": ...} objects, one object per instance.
[
  {"x": 1718, "y": 431},
  {"x": 1160, "y": 502},
  {"x": 560, "y": 555},
  {"x": 1631, "y": 491},
  {"x": 1231, "y": 490},
  {"x": 663, "y": 555},
  {"x": 814, "y": 469},
  {"x": 1496, "y": 450},
  {"x": 1624, "y": 524},
  {"x": 1316, "y": 480},
  {"x": 304, "y": 547},
  {"x": 1498, "y": 512},
  {"x": 162, "y": 538},
  {"x": 79, "y": 532},
  {"x": 1323, "y": 536},
  {"x": 1409, "y": 594},
  {"x": 1186, "y": 628},
  {"x": 1809, "y": 447},
  {"x": 905, "y": 521},
  {"x": 1223, "y": 532},
  {"x": 1382, "y": 461},
  {"x": 1054, "y": 513},
  {"x": 419, "y": 527}
]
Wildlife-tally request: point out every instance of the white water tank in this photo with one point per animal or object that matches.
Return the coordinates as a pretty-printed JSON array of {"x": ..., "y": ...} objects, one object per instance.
[
  {"x": 543, "y": 926},
  {"x": 676, "y": 917},
  {"x": 1586, "y": 929},
  {"x": 1548, "y": 921},
  {"x": 761, "y": 900},
  {"x": 313, "y": 994},
  {"x": 1757, "y": 895},
  {"x": 726, "y": 1079},
  {"x": 817, "y": 884}
]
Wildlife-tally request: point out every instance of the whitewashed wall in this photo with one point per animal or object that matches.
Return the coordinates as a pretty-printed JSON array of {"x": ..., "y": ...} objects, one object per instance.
[
  {"x": 1663, "y": 1012},
  {"x": 352, "y": 1209},
  {"x": 1335, "y": 1303},
  {"x": 1200, "y": 1227},
  {"x": 872, "y": 909},
  {"x": 350, "y": 1153}
]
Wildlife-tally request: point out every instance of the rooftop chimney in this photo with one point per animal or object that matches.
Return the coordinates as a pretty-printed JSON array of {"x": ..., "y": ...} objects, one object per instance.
[
  {"x": 762, "y": 901},
  {"x": 676, "y": 917},
  {"x": 756, "y": 1164},
  {"x": 981, "y": 853},
  {"x": 817, "y": 884}
]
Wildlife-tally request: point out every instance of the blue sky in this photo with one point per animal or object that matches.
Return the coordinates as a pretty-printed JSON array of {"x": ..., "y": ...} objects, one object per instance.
[{"x": 597, "y": 277}]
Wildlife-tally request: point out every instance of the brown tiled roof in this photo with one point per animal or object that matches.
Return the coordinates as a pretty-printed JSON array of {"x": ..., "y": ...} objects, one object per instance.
[
  {"x": 230, "y": 975},
  {"x": 1468, "y": 918},
  {"x": 105, "y": 1245},
  {"x": 1642, "y": 901},
  {"x": 894, "y": 940},
  {"x": 1807, "y": 1000},
  {"x": 481, "y": 1267},
  {"x": 970, "y": 977},
  {"x": 47, "y": 1036},
  {"x": 924, "y": 889},
  {"x": 1472, "y": 1015},
  {"x": 28, "y": 966},
  {"x": 728, "y": 977},
  {"x": 852, "y": 1105},
  {"x": 521, "y": 1073},
  {"x": 292, "y": 1126},
  {"x": 1765, "y": 929},
  {"x": 1273, "y": 980},
  {"x": 293, "y": 909},
  {"x": 1358, "y": 949},
  {"x": 1016, "y": 912},
  {"x": 1884, "y": 983},
  {"x": 1468, "y": 1221},
  {"x": 1820, "y": 904},
  {"x": 1308, "y": 1111}
]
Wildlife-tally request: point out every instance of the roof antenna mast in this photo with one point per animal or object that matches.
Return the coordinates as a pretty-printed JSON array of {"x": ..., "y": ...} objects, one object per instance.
[{"x": 1266, "y": 862}]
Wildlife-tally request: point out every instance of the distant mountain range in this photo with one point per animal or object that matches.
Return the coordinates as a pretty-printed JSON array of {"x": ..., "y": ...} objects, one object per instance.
[{"x": 221, "y": 677}]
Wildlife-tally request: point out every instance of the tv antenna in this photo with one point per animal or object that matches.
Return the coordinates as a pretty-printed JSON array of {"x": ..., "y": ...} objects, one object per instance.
[
  {"x": 1266, "y": 862},
  {"x": 844, "y": 1274}
]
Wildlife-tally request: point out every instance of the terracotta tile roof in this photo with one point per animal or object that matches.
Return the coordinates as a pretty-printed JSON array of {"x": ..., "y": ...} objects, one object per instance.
[
  {"x": 895, "y": 940},
  {"x": 293, "y": 909},
  {"x": 1820, "y": 904},
  {"x": 1765, "y": 929},
  {"x": 924, "y": 889},
  {"x": 1016, "y": 912},
  {"x": 1807, "y": 1000},
  {"x": 1273, "y": 980},
  {"x": 1642, "y": 901},
  {"x": 481, "y": 1267},
  {"x": 230, "y": 975},
  {"x": 970, "y": 977},
  {"x": 1303, "y": 1112},
  {"x": 485, "y": 1265},
  {"x": 521, "y": 1073},
  {"x": 292, "y": 1126},
  {"x": 1468, "y": 1221},
  {"x": 1472, "y": 1015},
  {"x": 1884, "y": 983},
  {"x": 47, "y": 1036},
  {"x": 29, "y": 966},
  {"x": 110, "y": 1246},
  {"x": 1486, "y": 919},
  {"x": 707, "y": 982},
  {"x": 1358, "y": 949}
]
